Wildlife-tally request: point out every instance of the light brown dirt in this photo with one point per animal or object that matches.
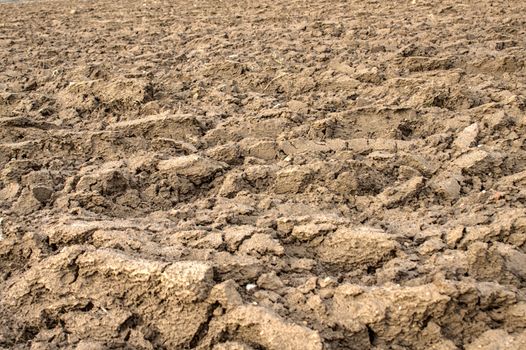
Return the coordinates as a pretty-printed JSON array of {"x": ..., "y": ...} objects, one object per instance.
[{"x": 263, "y": 175}]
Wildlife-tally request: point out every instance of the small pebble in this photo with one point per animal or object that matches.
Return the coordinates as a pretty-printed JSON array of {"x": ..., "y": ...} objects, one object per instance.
[{"x": 250, "y": 286}]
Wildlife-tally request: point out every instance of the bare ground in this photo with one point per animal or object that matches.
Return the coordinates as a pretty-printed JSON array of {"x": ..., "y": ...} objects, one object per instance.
[{"x": 263, "y": 175}]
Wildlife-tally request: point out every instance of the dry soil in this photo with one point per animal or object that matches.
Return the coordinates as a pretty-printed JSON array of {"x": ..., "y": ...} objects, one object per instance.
[{"x": 272, "y": 175}]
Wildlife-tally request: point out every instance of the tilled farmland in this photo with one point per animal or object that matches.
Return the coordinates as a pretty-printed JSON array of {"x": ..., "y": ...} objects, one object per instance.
[{"x": 264, "y": 175}]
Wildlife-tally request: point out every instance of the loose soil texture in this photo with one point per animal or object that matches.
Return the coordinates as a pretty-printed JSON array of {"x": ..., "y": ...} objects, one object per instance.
[{"x": 272, "y": 175}]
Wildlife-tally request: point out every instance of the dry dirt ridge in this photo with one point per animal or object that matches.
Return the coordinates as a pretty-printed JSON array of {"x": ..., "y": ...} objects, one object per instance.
[{"x": 257, "y": 175}]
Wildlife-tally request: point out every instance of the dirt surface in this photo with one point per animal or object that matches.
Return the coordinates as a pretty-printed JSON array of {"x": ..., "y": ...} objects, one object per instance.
[{"x": 263, "y": 175}]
